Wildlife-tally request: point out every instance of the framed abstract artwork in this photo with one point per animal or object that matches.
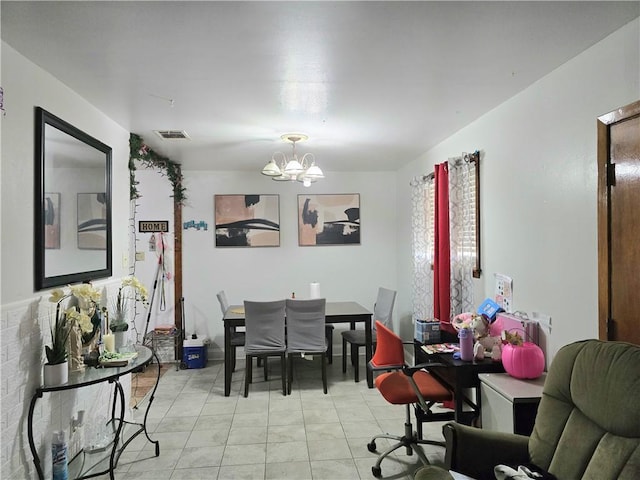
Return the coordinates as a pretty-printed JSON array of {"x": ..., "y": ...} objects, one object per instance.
[
  {"x": 247, "y": 220},
  {"x": 92, "y": 221},
  {"x": 329, "y": 219},
  {"x": 52, "y": 220}
]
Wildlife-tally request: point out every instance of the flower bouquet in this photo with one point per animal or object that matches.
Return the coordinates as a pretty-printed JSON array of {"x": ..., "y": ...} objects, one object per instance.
[
  {"x": 131, "y": 290},
  {"x": 72, "y": 321}
]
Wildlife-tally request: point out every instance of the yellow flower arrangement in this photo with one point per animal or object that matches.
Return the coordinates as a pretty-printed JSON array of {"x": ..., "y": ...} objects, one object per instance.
[{"x": 86, "y": 298}]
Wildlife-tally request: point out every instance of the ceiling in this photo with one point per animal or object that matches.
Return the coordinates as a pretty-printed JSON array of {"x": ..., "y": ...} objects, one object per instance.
[{"x": 373, "y": 84}]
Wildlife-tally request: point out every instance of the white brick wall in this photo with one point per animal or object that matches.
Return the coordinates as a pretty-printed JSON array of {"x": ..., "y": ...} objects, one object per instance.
[{"x": 24, "y": 330}]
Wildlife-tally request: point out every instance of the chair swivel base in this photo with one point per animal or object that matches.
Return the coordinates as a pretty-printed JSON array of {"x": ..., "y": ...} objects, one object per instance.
[{"x": 409, "y": 440}]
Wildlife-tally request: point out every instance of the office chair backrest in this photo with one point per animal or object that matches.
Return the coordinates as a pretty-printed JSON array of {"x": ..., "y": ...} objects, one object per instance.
[
  {"x": 264, "y": 322},
  {"x": 383, "y": 309},
  {"x": 306, "y": 325},
  {"x": 224, "y": 303},
  {"x": 389, "y": 350}
]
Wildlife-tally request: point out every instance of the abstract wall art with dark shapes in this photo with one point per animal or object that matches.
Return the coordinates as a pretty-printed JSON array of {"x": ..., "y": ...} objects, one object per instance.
[
  {"x": 329, "y": 219},
  {"x": 92, "y": 221},
  {"x": 247, "y": 220}
]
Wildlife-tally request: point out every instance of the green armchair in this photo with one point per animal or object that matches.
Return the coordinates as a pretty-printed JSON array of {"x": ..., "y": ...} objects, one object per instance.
[{"x": 587, "y": 426}]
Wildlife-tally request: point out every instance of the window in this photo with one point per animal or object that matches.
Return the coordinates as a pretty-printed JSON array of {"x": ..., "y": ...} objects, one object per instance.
[{"x": 462, "y": 180}]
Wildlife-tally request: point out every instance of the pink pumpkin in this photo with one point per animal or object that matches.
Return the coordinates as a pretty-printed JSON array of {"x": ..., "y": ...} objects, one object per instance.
[{"x": 523, "y": 361}]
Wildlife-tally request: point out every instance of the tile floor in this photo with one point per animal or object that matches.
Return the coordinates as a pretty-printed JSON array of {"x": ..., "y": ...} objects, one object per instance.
[{"x": 305, "y": 435}]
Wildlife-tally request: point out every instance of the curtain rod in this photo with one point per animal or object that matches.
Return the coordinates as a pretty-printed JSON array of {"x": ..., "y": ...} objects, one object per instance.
[{"x": 465, "y": 157}]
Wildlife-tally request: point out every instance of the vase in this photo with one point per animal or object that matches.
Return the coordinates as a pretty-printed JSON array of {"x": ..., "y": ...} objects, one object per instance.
[
  {"x": 75, "y": 349},
  {"x": 120, "y": 340},
  {"x": 54, "y": 375}
]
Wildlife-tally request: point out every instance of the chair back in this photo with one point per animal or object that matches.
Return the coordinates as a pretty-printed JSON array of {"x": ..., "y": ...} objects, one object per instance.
[
  {"x": 383, "y": 309},
  {"x": 389, "y": 351},
  {"x": 224, "y": 303},
  {"x": 306, "y": 325},
  {"x": 587, "y": 425},
  {"x": 264, "y": 324}
]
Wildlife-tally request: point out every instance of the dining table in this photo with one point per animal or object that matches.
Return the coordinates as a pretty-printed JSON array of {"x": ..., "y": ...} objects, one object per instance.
[{"x": 336, "y": 312}]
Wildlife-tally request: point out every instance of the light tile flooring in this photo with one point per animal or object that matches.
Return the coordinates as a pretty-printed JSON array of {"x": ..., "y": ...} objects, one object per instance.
[{"x": 305, "y": 435}]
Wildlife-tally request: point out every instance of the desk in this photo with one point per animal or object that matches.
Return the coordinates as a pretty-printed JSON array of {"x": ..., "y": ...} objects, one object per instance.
[
  {"x": 458, "y": 376},
  {"x": 91, "y": 464},
  {"x": 510, "y": 404},
  {"x": 336, "y": 312}
]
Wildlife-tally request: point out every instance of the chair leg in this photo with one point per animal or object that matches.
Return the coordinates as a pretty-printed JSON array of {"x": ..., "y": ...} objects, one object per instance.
[
  {"x": 266, "y": 372},
  {"x": 356, "y": 361},
  {"x": 290, "y": 373},
  {"x": 283, "y": 373},
  {"x": 329, "y": 336},
  {"x": 324, "y": 372},
  {"x": 248, "y": 374},
  {"x": 344, "y": 355},
  {"x": 233, "y": 359}
]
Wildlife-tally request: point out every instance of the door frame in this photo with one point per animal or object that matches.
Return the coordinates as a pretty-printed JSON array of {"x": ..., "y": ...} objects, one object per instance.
[{"x": 604, "y": 209}]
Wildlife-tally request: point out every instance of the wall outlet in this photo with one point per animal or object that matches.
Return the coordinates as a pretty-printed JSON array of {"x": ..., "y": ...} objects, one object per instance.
[{"x": 139, "y": 256}]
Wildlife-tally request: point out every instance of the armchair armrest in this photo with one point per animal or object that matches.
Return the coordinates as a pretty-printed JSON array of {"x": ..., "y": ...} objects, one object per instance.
[{"x": 474, "y": 452}]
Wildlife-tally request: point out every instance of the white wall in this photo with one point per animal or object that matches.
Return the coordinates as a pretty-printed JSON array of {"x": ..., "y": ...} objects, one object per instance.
[
  {"x": 348, "y": 272},
  {"x": 538, "y": 186},
  {"x": 25, "y": 313}
]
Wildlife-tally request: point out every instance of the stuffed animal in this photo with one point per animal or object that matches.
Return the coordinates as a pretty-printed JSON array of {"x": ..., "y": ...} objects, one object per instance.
[{"x": 480, "y": 326}]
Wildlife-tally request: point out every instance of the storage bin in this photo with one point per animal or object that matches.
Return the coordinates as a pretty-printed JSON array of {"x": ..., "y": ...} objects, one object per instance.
[
  {"x": 195, "y": 357},
  {"x": 427, "y": 331}
]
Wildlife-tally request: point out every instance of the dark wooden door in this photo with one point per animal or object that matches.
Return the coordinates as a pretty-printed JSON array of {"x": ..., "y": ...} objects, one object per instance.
[{"x": 619, "y": 224}]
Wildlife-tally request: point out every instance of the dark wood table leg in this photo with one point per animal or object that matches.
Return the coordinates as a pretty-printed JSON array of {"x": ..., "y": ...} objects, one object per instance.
[
  {"x": 227, "y": 360},
  {"x": 369, "y": 350}
]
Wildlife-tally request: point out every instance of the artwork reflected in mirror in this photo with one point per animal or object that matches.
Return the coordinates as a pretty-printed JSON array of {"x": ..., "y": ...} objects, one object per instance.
[
  {"x": 72, "y": 227},
  {"x": 329, "y": 219},
  {"x": 92, "y": 221},
  {"x": 247, "y": 220},
  {"x": 52, "y": 220}
]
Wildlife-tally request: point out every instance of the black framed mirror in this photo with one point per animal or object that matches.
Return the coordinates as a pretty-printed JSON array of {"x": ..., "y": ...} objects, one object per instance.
[{"x": 72, "y": 204}]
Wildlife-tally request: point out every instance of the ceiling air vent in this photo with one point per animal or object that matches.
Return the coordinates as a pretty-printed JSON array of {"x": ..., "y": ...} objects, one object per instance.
[{"x": 172, "y": 134}]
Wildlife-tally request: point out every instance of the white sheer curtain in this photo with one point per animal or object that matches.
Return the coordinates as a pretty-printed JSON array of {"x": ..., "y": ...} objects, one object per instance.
[
  {"x": 462, "y": 233},
  {"x": 422, "y": 247}
]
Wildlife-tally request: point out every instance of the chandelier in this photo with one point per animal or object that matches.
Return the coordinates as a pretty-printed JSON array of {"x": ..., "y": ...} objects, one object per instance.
[{"x": 289, "y": 169}]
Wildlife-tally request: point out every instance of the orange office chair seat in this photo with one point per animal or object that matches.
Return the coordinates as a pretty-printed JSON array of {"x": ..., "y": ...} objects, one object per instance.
[{"x": 404, "y": 385}]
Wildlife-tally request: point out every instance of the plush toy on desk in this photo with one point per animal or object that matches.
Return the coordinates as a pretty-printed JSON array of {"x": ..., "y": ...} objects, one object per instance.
[{"x": 484, "y": 343}]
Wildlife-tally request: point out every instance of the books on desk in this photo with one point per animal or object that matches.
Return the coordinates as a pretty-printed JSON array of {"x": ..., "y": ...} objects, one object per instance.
[{"x": 440, "y": 348}]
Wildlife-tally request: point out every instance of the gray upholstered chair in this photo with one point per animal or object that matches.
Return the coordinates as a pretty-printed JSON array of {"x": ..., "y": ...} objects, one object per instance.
[
  {"x": 237, "y": 338},
  {"x": 265, "y": 324},
  {"x": 306, "y": 333},
  {"x": 382, "y": 312},
  {"x": 587, "y": 426}
]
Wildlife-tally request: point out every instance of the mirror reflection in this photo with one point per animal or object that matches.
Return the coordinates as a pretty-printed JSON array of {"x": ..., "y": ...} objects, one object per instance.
[{"x": 73, "y": 217}]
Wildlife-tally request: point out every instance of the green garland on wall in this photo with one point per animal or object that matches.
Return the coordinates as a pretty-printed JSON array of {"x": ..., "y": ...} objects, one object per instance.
[{"x": 141, "y": 152}]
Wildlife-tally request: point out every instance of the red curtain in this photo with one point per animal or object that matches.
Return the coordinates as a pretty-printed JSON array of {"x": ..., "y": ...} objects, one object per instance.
[{"x": 442, "y": 259}]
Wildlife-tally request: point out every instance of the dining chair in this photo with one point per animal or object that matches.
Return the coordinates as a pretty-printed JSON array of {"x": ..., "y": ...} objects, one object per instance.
[
  {"x": 237, "y": 338},
  {"x": 264, "y": 337},
  {"x": 306, "y": 333},
  {"x": 401, "y": 384},
  {"x": 382, "y": 312}
]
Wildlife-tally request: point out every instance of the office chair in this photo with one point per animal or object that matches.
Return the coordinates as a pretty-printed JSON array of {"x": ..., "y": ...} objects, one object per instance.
[
  {"x": 382, "y": 311},
  {"x": 264, "y": 324},
  {"x": 403, "y": 385},
  {"x": 306, "y": 333}
]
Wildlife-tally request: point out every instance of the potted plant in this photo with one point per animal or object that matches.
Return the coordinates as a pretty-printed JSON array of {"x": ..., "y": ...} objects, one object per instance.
[
  {"x": 130, "y": 290},
  {"x": 56, "y": 371}
]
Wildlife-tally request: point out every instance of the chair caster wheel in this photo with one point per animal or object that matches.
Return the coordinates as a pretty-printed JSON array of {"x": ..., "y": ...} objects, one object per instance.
[
  {"x": 377, "y": 472},
  {"x": 371, "y": 447}
]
